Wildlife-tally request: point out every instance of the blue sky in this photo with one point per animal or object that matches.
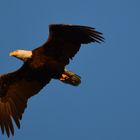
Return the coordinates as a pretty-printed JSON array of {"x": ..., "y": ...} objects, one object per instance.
[{"x": 106, "y": 106}]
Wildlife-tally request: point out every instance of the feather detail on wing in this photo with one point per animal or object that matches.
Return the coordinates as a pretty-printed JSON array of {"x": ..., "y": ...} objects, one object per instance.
[
  {"x": 16, "y": 89},
  {"x": 65, "y": 40}
]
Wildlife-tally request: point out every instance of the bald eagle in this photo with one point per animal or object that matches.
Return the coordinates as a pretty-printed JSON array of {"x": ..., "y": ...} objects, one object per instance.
[{"x": 40, "y": 66}]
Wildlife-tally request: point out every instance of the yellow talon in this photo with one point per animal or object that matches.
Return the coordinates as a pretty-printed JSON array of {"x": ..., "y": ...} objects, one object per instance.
[{"x": 64, "y": 77}]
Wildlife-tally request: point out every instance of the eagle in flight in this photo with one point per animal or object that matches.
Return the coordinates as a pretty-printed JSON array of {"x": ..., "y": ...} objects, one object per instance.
[{"x": 40, "y": 66}]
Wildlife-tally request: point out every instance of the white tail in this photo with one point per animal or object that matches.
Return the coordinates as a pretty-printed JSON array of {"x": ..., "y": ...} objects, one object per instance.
[{"x": 71, "y": 78}]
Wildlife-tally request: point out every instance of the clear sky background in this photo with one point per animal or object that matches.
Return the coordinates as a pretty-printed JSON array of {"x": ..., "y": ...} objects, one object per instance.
[{"x": 106, "y": 106}]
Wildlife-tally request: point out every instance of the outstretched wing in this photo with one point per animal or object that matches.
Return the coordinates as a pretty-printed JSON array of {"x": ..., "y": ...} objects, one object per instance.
[
  {"x": 65, "y": 40},
  {"x": 15, "y": 89}
]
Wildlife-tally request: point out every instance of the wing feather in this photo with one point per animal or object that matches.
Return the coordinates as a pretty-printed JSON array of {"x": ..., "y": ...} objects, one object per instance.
[
  {"x": 65, "y": 40},
  {"x": 15, "y": 90},
  {"x": 1, "y": 118}
]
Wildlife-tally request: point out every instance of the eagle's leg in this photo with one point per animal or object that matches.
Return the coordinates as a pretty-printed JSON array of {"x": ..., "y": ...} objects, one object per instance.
[
  {"x": 64, "y": 77},
  {"x": 70, "y": 78}
]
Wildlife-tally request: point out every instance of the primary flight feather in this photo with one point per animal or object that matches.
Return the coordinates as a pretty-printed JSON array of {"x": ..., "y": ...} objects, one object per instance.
[{"x": 40, "y": 66}]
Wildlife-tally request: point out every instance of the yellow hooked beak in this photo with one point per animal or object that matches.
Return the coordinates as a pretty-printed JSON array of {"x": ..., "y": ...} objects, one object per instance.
[{"x": 12, "y": 53}]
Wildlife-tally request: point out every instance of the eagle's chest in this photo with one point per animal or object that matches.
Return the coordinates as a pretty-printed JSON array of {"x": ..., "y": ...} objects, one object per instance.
[
  {"x": 39, "y": 62},
  {"x": 47, "y": 65}
]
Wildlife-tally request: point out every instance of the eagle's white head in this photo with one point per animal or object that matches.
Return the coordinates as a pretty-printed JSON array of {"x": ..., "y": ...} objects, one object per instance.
[{"x": 22, "y": 54}]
